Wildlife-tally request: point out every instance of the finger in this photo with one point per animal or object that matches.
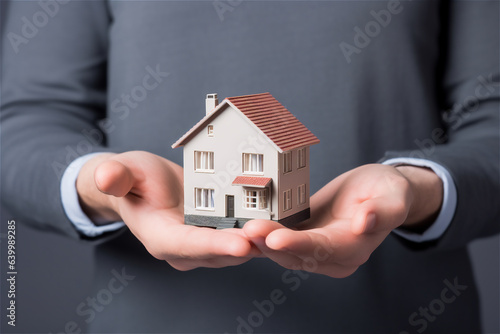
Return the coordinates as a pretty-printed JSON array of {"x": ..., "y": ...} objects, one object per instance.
[
  {"x": 327, "y": 251},
  {"x": 380, "y": 214},
  {"x": 310, "y": 244},
  {"x": 191, "y": 242},
  {"x": 310, "y": 251},
  {"x": 201, "y": 243},
  {"x": 255, "y": 251},
  {"x": 258, "y": 230},
  {"x": 113, "y": 178},
  {"x": 334, "y": 244}
]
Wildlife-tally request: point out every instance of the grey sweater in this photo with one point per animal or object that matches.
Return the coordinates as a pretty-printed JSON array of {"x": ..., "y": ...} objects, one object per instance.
[{"x": 372, "y": 79}]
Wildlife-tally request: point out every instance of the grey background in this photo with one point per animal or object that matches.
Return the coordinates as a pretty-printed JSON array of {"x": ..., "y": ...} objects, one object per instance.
[{"x": 55, "y": 274}]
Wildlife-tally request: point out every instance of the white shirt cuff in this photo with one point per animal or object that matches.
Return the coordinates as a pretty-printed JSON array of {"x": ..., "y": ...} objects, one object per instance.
[
  {"x": 448, "y": 207},
  {"x": 69, "y": 198}
]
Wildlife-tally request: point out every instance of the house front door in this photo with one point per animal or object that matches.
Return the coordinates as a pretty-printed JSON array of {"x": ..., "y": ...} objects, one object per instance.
[{"x": 229, "y": 206}]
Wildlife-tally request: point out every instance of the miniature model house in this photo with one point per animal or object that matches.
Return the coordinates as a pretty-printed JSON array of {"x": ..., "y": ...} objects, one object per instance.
[{"x": 248, "y": 158}]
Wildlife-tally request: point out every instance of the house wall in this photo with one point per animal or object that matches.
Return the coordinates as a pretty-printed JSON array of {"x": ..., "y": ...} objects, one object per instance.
[
  {"x": 291, "y": 181},
  {"x": 233, "y": 135}
]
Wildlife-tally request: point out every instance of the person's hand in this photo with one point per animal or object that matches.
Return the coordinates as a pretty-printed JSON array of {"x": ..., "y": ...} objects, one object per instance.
[
  {"x": 350, "y": 217},
  {"x": 146, "y": 192}
]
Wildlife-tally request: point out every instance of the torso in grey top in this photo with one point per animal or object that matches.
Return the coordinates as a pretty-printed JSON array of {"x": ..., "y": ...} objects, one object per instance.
[{"x": 370, "y": 79}]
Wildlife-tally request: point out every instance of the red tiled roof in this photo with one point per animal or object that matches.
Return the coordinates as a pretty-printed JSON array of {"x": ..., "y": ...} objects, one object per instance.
[
  {"x": 255, "y": 181},
  {"x": 274, "y": 120}
]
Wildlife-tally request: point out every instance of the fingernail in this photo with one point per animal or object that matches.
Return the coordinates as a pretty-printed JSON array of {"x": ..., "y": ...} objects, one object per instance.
[{"x": 370, "y": 222}]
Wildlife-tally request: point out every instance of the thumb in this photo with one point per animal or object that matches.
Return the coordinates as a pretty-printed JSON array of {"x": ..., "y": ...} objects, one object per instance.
[
  {"x": 113, "y": 178},
  {"x": 379, "y": 214}
]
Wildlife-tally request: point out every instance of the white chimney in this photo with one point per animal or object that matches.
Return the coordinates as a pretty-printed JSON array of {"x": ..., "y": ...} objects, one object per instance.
[{"x": 211, "y": 102}]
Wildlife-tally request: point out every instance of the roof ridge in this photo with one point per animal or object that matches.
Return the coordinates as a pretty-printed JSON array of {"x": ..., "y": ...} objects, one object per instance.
[{"x": 242, "y": 96}]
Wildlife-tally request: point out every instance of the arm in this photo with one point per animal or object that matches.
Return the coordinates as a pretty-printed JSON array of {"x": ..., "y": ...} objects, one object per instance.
[
  {"x": 470, "y": 97},
  {"x": 53, "y": 95},
  {"x": 350, "y": 217},
  {"x": 146, "y": 192},
  {"x": 56, "y": 95},
  {"x": 354, "y": 213}
]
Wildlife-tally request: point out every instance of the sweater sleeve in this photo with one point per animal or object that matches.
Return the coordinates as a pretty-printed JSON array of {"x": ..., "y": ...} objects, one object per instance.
[
  {"x": 467, "y": 144},
  {"x": 53, "y": 97}
]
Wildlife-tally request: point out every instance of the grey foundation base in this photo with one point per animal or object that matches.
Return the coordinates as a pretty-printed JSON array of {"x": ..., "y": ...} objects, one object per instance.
[{"x": 235, "y": 222}]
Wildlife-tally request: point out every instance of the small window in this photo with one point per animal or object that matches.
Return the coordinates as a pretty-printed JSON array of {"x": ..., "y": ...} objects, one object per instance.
[
  {"x": 210, "y": 130},
  {"x": 203, "y": 161},
  {"x": 255, "y": 199},
  {"x": 253, "y": 163},
  {"x": 301, "y": 194},
  {"x": 287, "y": 162},
  {"x": 204, "y": 199},
  {"x": 287, "y": 200},
  {"x": 301, "y": 158}
]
